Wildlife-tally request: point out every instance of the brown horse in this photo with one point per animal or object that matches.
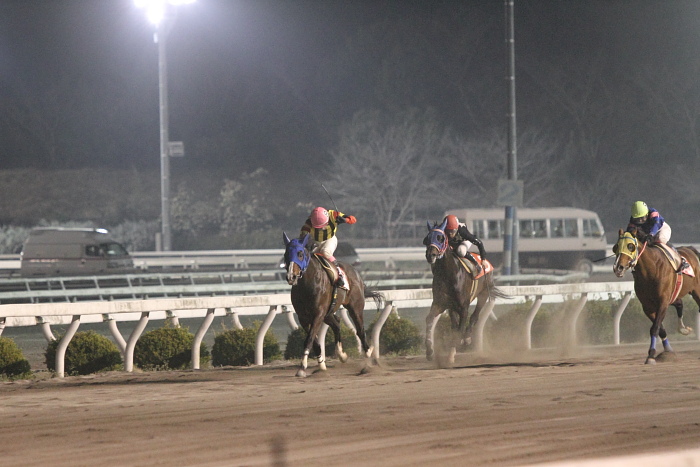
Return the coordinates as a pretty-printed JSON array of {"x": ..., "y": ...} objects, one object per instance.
[
  {"x": 657, "y": 284},
  {"x": 313, "y": 301},
  {"x": 454, "y": 289}
]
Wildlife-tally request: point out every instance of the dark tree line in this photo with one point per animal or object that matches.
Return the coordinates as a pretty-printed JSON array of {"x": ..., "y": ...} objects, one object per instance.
[{"x": 400, "y": 110}]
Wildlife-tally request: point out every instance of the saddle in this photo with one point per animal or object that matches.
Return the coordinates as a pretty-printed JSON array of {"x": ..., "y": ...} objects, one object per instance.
[
  {"x": 675, "y": 259},
  {"x": 486, "y": 266},
  {"x": 334, "y": 273}
]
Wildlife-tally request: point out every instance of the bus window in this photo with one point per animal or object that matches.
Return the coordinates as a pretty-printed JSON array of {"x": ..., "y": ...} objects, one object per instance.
[
  {"x": 478, "y": 229},
  {"x": 564, "y": 228},
  {"x": 591, "y": 228},
  {"x": 495, "y": 229},
  {"x": 539, "y": 227}
]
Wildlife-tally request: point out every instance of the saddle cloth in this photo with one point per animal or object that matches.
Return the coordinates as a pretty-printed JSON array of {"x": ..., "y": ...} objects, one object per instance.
[
  {"x": 675, "y": 259},
  {"x": 486, "y": 266}
]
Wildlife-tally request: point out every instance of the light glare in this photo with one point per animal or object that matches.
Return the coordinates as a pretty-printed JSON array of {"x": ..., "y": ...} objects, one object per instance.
[{"x": 155, "y": 9}]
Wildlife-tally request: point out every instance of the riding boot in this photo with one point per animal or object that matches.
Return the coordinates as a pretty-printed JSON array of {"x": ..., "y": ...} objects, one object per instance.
[
  {"x": 684, "y": 264},
  {"x": 475, "y": 262}
]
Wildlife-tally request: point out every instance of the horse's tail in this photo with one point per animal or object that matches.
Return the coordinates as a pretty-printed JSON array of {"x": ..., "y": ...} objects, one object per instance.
[
  {"x": 495, "y": 292},
  {"x": 376, "y": 296}
]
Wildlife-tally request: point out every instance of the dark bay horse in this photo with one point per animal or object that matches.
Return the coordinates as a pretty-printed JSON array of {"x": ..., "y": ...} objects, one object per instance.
[
  {"x": 454, "y": 289},
  {"x": 312, "y": 293},
  {"x": 656, "y": 282}
]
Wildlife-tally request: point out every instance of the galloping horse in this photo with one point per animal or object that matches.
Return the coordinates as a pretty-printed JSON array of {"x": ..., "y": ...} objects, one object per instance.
[
  {"x": 657, "y": 283},
  {"x": 454, "y": 289},
  {"x": 314, "y": 303}
]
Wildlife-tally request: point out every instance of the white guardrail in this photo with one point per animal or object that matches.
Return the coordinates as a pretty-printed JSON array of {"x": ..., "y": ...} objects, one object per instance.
[{"x": 270, "y": 306}]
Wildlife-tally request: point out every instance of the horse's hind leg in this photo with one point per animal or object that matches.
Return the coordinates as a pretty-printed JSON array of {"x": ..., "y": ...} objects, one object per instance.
[
  {"x": 682, "y": 328},
  {"x": 334, "y": 324},
  {"x": 355, "y": 311}
]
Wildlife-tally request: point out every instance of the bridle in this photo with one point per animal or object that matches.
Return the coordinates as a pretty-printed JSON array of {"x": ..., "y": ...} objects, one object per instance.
[{"x": 434, "y": 242}]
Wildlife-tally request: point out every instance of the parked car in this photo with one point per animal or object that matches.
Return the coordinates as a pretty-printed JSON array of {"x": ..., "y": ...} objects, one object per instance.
[
  {"x": 345, "y": 253},
  {"x": 55, "y": 251}
]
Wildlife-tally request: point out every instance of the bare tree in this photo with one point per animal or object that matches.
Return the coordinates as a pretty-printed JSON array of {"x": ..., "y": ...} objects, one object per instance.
[
  {"x": 386, "y": 167},
  {"x": 475, "y": 165}
]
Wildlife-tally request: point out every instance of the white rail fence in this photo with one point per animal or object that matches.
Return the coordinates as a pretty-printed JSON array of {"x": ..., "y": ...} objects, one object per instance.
[{"x": 271, "y": 306}]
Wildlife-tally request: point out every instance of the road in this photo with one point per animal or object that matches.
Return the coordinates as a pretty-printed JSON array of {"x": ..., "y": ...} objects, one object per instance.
[{"x": 487, "y": 410}]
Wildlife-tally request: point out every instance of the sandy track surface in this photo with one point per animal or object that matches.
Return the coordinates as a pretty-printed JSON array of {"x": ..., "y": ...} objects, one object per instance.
[{"x": 498, "y": 410}]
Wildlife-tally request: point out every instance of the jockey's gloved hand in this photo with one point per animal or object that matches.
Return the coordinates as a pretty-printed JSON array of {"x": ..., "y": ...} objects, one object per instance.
[{"x": 350, "y": 219}]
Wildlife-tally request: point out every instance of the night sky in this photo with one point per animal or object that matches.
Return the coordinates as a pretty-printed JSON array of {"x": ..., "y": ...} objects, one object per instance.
[{"x": 268, "y": 83}]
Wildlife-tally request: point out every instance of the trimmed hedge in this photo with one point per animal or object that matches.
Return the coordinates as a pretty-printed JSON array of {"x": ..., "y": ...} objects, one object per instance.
[
  {"x": 13, "y": 365},
  {"x": 236, "y": 347},
  {"x": 167, "y": 348},
  {"x": 88, "y": 352},
  {"x": 399, "y": 336}
]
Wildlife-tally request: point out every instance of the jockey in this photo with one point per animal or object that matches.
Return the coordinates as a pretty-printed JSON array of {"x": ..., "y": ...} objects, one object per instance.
[
  {"x": 321, "y": 225},
  {"x": 461, "y": 239},
  {"x": 649, "y": 221}
]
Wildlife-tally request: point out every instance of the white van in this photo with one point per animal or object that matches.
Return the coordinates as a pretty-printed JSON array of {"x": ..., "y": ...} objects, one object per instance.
[
  {"x": 62, "y": 251},
  {"x": 549, "y": 238}
]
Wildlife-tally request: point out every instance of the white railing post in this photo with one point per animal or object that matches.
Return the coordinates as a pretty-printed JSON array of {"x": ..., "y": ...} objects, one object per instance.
[
  {"x": 131, "y": 343},
  {"x": 116, "y": 334},
  {"x": 199, "y": 336},
  {"x": 530, "y": 319},
  {"x": 260, "y": 338},
  {"x": 484, "y": 316},
  {"x": 63, "y": 346},
  {"x": 618, "y": 315},
  {"x": 574, "y": 316},
  {"x": 290, "y": 318},
  {"x": 376, "y": 331}
]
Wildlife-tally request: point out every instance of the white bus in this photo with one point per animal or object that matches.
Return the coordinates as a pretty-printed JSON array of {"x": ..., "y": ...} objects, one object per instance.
[{"x": 549, "y": 238}]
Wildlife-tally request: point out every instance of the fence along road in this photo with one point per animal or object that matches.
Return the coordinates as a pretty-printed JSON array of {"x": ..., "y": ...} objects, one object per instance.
[{"x": 46, "y": 314}]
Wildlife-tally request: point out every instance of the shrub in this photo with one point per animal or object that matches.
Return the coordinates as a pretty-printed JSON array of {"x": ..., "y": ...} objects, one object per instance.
[
  {"x": 296, "y": 339},
  {"x": 236, "y": 347},
  {"x": 12, "y": 362},
  {"x": 88, "y": 352},
  {"x": 399, "y": 336},
  {"x": 167, "y": 348}
]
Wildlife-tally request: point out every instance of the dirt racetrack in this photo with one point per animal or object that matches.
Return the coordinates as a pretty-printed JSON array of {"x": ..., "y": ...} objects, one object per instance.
[{"x": 496, "y": 410}]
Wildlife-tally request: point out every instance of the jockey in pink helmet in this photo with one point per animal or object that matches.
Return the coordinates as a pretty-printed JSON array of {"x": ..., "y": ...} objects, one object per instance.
[{"x": 322, "y": 225}]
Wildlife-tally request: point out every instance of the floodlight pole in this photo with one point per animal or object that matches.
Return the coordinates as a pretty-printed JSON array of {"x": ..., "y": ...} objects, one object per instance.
[
  {"x": 161, "y": 39},
  {"x": 510, "y": 238}
]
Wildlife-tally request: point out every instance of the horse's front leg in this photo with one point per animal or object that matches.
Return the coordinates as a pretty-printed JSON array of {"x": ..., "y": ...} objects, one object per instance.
[
  {"x": 657, "y": 330},
  {"x": 430, "y": 320},
  {"x": 309, "y": 343}
]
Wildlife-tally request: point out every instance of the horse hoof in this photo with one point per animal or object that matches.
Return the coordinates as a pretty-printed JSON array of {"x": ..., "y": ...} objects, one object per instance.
[
  {"x": 685, "y": 331},
  {"x": 301, "y": 373},
  {"x": 650, "y": 361}
]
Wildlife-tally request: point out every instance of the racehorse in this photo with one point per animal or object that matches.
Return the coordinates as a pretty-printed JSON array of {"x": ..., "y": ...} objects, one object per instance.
[
  {"x": 314, "y": 302},
  {"x": 454, "y": 289},
  {"x": 657, "y": 283}
]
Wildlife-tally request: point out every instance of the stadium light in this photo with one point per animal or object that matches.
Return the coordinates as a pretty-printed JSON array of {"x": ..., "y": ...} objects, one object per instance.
[{"x": 161, "y": 13}]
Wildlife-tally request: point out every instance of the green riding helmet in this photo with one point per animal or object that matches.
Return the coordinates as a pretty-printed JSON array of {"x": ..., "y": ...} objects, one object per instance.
[{"x": 639, "y": 209}]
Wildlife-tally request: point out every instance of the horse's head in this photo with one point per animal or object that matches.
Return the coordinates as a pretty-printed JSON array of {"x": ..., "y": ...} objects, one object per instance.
[
  {"x": 436, "y": 242},
  {"x": 296, "y": 257},
  {"x": 626, "y": 252}
]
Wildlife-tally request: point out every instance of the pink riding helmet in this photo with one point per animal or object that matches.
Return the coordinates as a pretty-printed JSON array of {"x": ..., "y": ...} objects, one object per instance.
[{"x": 319, "y": 218}]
